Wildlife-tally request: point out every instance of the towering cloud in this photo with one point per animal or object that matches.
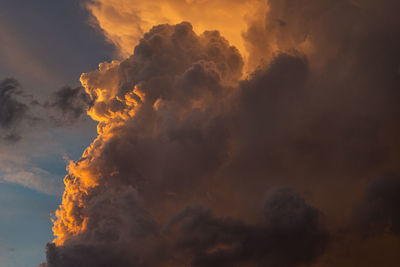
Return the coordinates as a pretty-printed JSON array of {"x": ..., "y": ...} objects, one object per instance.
[
  {"x": 166, "y": 135},
  {"x": 185, "y": 169}
]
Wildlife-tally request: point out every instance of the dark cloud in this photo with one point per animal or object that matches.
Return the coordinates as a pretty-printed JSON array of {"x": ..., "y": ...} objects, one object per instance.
[
  {"x": 179, "y": 128},
  {"x": 338, "y": 115},
  {"x": 12, "y": 110},
  {"x": 289, "y": 232},
  {"x": 69, "y": 104},
  {"x": 20, "y": 112},
  {"x": 180, "y": 125},
  {"x": 379, "y": 210}
]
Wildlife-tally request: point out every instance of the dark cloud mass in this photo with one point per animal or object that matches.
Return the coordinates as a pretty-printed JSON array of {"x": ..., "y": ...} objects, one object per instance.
[
  {"x": 12, "y": 110},
  {"x": 69, "y": 104},
  {"x": 185, "y": 168},
  {"x": 379, "y": 210},
  {"x": 289, "y": 232}
]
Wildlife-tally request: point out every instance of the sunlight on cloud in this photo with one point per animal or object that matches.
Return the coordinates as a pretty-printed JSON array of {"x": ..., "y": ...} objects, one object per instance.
[{"x": 125, "y": 21}]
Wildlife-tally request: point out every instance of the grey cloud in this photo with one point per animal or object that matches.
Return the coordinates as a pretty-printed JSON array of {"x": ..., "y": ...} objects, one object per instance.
[
  {"x": 69, "y": 104},
  {"x": 21, "y": 112},
  {"x": 12, "y": 110}
]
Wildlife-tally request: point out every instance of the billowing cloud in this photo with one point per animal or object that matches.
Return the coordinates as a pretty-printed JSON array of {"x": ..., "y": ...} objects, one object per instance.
[
  {"x": 187, "y": 149},
  {"x": 166, "y": 118},
  {"x": 170, "y": 105},
  {"x": 289, "y": 232}
]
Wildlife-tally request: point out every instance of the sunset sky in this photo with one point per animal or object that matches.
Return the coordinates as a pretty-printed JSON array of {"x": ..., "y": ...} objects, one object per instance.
[{"x": 199, "y": 133}]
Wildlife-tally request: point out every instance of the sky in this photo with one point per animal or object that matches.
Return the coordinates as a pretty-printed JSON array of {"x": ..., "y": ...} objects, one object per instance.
[
  {"x": 199, "y": 133},
  {"x": 45, "y": 45}
]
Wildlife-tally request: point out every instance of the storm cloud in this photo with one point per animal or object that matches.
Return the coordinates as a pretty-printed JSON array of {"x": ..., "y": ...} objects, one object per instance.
[
  {"x": 190, "y": 150},
  {"x": 289, "y": 232}
]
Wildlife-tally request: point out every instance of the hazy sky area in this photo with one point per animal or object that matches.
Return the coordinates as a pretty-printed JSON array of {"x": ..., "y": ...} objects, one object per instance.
[{"x": 45, "y": 45}]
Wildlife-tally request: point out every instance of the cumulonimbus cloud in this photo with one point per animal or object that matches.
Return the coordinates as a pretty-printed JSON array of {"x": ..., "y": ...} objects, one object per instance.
[
  {"x": 188, "y": 150},
  {"x": 165, "y": 132}
]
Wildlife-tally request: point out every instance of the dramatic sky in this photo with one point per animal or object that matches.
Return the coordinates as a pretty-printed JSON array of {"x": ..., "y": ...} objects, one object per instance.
[{"x": 199, "y": 133}]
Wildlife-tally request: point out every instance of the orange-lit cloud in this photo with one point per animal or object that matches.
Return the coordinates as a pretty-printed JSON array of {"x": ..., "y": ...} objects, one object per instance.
[
  {"x": 125, "y": 21},
  {"x": 180, "y": 128},
  {"x": 118, "y": 98}
]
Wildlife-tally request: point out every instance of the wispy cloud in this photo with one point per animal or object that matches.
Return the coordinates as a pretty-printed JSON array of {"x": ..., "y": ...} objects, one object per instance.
[{"x": 39, "y": 181}]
